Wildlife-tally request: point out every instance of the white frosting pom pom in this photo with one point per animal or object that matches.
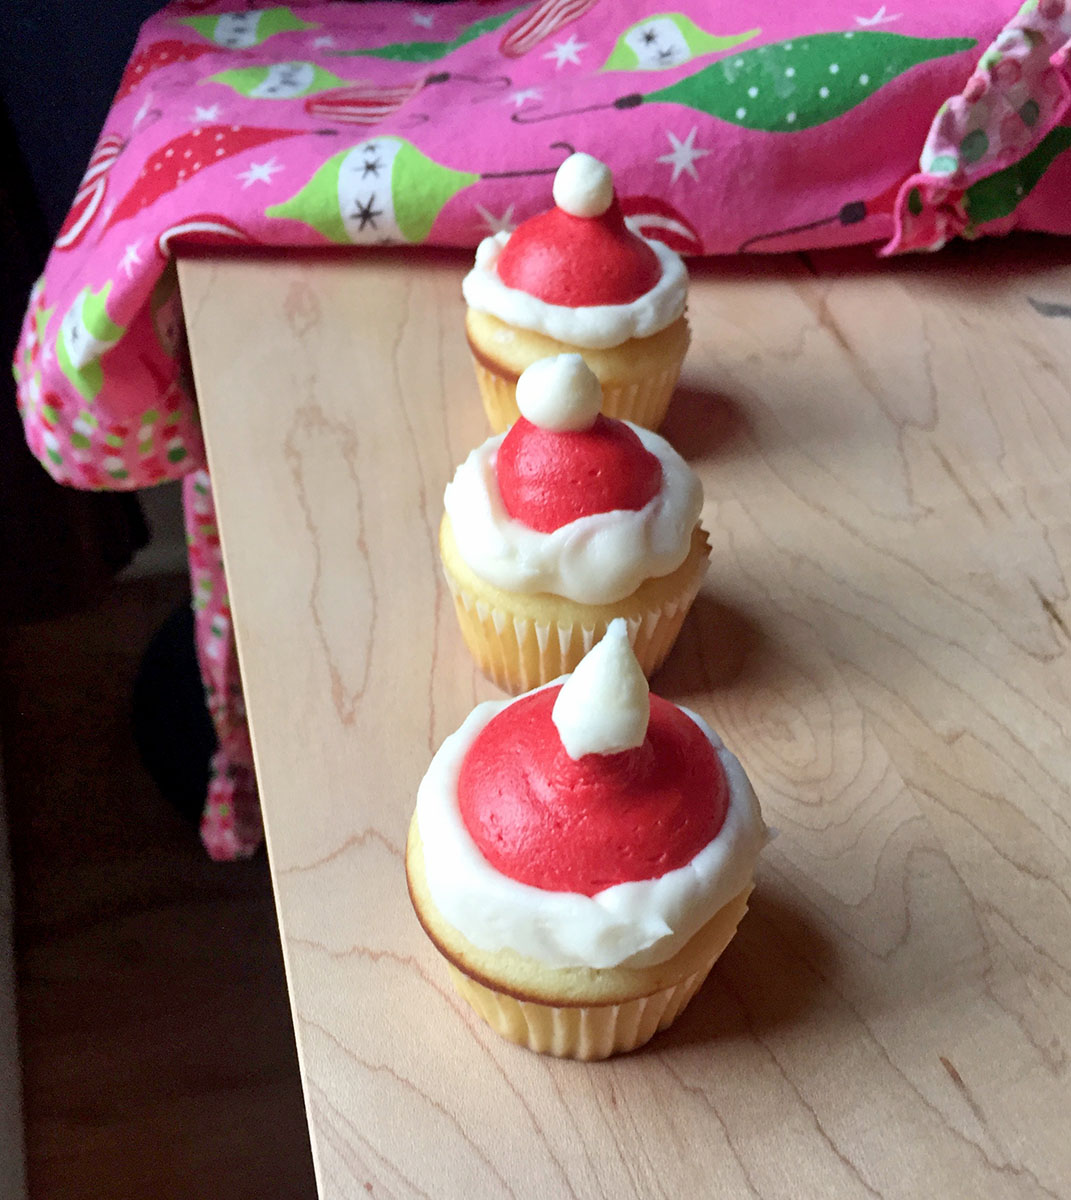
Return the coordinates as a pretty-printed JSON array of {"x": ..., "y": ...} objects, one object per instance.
[
  {"x": 561, "y": 394},
  {"x": 583, "y": 186},
  {"x": 604, "y": 706}
]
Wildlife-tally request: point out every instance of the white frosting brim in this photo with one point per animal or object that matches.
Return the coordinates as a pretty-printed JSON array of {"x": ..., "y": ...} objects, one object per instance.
[
  {"x": 598, "y": 559},
  {"x": 632, "y": 924},
  {"x": 596, "y": 326}
]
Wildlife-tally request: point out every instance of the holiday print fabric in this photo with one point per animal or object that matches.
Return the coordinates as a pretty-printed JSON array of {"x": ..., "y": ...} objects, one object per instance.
[
  {"x": 230, "y": 824},
  {"x": 730, "y": 127},
  {"x": 992, "y": 145}
]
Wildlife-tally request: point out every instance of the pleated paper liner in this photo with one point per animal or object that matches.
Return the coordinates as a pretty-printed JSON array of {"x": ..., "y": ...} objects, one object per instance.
[
  {"x": 643, "y": 402},
  {"x": 637, "y": 377},
  {"x": 600, "y": 1029},
  {"x": 571, "y": 1012},
  {"x": 521, "y": 641},
  {"x": 517, "y": 654},
  {"x": 583, "y": 1033}
]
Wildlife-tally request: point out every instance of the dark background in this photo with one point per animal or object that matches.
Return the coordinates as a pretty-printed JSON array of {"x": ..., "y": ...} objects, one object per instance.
[
  {"x": 59, "y": 69},
  {"x": 154, "y": 1026},
  {"x": 60, "y": 64}
]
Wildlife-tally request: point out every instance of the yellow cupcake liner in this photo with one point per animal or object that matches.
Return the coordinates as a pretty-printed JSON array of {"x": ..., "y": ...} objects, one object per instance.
[
  {"x": 588, "y": 1033},
  {"x": 518, "y": 653},
  {"x": 642, "y": 401},
  {"x": 571, "y": 1012},
  {"x": 499, "y": 396}
]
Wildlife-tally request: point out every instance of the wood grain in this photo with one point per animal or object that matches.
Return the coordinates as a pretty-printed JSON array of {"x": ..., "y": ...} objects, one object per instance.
[{"x": 882, "y": 638}]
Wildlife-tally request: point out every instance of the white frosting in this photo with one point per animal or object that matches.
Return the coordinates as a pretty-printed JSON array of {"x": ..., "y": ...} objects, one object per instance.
[
  {"x": 583, "y": 186},
  {"x": 597, "y": 559},
  {"x": 562, "y": 394},
  {"x": 595, "y": 326},
  {"x": 604, "y": 706},
  {"x": 633, "y": 924}
]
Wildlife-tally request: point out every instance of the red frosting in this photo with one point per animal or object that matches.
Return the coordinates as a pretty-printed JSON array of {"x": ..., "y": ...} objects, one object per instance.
[
  {"x": 565, "y": 825},
  {"x": 548, "y": 479},
  {"x": 579, "y": 261}
]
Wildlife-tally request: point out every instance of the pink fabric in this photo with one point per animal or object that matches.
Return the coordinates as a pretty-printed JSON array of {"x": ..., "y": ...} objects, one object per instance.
[
  {"x": 991, "y": 145},
  {"x": 730, "y": 127},
  {"x": 230, "y": 826}
]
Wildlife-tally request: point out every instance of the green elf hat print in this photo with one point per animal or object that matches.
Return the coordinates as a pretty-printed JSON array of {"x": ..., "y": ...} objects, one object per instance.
[
  {"x": 240, "y": 30},
  {"x": 280, "y": 81},
  {"x": 797, "y": 84},
  {"x": 29, "y": 350},
  {"x": 85, "y": 333},
  {"x": 430, "y": 51},
  {"x": 999, "y": 195},
  {"x": 382, "y": 190},
  {"x": 667, "y": 40},
  {"x": 42, "y": 315},
  {"x": 784, "y": 87}
]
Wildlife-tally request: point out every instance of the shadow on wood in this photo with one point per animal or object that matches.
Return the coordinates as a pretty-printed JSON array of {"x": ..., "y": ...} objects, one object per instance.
[
  {"x": 717, "y": 644},
  {"x": 770, "y": 976},
  {"x": 701, "y": 423}
]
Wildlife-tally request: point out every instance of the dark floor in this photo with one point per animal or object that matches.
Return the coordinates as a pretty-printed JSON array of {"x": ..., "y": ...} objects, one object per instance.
[{"x": 158, "y": 1055}]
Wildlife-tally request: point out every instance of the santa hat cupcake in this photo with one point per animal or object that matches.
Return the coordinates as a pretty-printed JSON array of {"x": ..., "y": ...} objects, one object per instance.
[
  {"x": 581, "y": 856},
  {"x": 568, "y": 521},
  {"x": 577, "y": 279}
]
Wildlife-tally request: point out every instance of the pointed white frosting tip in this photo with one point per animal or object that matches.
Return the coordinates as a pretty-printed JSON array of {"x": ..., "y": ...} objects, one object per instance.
[
  {"x": 583, "y": 186},
  {"x": 604, "y": 706},
  {"x": 561, "y": 394}
]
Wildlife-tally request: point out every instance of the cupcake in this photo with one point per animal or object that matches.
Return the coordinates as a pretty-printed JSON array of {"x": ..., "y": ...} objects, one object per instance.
[
  {"x": 576, "y": 279},
  {"x": 561, "y": 525},
  {"x": 581, "y": 856}
]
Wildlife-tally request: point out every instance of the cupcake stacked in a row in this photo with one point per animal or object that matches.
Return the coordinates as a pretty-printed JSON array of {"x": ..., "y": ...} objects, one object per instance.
[
  {"x": 576, "y": 512},
  {"x": 576, "y": 279},
  {"x": 582, "y": 854}
]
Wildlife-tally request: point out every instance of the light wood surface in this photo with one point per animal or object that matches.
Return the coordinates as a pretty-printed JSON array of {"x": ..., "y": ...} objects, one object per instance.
[{"x": 882, "y": 638}]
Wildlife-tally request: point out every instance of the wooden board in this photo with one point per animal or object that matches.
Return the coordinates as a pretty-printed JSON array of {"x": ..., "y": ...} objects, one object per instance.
[{"x": 882, "y": 638}]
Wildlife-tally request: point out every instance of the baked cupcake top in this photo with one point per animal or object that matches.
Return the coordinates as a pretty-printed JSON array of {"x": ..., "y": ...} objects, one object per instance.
[
  {"x": 587, "y": 823},
  {"x": 569, "y": 501},
  {"x": 577, "y": 272}
]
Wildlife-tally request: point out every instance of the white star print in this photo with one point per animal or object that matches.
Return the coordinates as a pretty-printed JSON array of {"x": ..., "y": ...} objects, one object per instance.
[
  {"x": 502, "y": 224},
  {"x": 879, "y": 18},
  {"x": 424, "y": 20},
  {"x": 323, "y": 43},
  {"x": 566, "y": 52},
  {"x": 199, "y": 114},
  {"x": 143, "y": 112},
  {"x": 259, "y": 173},
  {"x": 519, "y": 98},
  {"x": 130, "y": 259},
  {"x": 683, "y": 156}
]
